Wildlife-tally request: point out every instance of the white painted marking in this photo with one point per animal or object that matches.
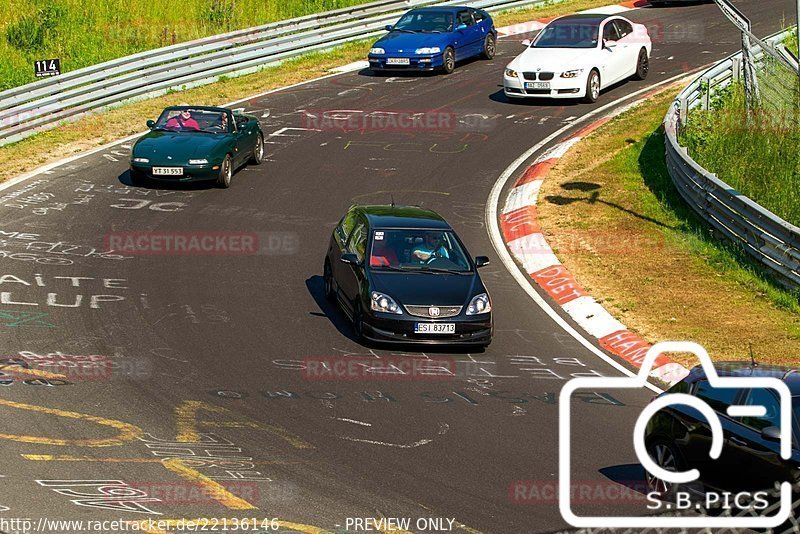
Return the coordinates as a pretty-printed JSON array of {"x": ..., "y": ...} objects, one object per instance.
[
  {"x": 346, "y": 420},
  {"x": 592, "y": 317},
  {"x": 533, "y": 252},
  {"x": 523, "y": 195},
  {"x": 350, "y": 67},
  {"x": 109, "y": 157},
  {"x": 558, "y": 151},
  {"x": 385, "y": 444}
]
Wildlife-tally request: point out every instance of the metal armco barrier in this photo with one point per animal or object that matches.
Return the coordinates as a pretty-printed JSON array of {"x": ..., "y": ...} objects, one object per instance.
[
  {"x": 766, "y": 237},
  {"x": 46, "y": 104}
]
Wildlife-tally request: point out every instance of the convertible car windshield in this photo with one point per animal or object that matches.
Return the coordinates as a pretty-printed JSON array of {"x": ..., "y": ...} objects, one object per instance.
[
  {"x": 417, "y": 250},
  {"x": 568, "y": 35},
  {"x": 193, "y": 120},
  {"x": 425, "y": 21}
]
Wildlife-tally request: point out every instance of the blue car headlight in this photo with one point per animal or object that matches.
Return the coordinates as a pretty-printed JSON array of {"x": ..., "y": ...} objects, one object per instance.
[
  {"x": 377, "y": 50},
  {"x": 384, "y": 303},
  {"x": 428, "y": 50},
  {"x": 479, "y": 304}
]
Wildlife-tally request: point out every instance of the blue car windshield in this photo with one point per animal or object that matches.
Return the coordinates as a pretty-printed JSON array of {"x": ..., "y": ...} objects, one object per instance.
[
  {"x": 567, "y": 35},
  {"x": 425, "y": 21},
  {"x": 417, "y": 250}
]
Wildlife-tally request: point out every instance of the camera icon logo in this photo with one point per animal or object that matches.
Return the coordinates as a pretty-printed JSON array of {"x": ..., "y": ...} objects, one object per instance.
[{"x": 676, "y": 477}]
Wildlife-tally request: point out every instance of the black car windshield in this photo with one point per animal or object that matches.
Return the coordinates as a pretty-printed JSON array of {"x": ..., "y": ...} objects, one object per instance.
[
  {"x": 193, "y": 120},
  {"x": 417, "y": 250},
  {"x": 425, "y": 21},
  {"x": 568, "y": 35}
]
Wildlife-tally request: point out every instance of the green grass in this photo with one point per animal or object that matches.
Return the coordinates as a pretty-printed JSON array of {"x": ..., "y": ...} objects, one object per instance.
[
  {"x": 83, "y": 33},
  {"x": 758, "y": 153}
]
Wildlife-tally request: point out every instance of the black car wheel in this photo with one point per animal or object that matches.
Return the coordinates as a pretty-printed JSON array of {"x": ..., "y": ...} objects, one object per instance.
[
  {"x": 592, "y": 87},
  {"x": 225, "y": 173},
  {"x": 258, "y": 151},
  {"x": 358, "y": 322},
  {"x": 489, "y": 47},
  {"x": 448, "y": 61},
  {"x": 642, "y": 65},
  {"x": 327, "y": 276},
  {"x": 666, "y": 456}
]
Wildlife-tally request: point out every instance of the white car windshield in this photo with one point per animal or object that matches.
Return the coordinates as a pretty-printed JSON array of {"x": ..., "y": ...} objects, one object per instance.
[{"x": 568, "y": 35}]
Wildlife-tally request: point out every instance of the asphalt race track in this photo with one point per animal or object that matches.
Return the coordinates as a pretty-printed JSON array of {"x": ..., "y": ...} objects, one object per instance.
[{"x": 211, "y": 348}]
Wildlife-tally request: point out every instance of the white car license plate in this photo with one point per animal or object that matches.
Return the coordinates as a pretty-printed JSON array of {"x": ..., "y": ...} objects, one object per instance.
[
  {"x": 398, "y": 61},
  {"x": 168, "y": 171},
  {"x": 434, "y": 328},
  {"x": 537, "y": 85}
]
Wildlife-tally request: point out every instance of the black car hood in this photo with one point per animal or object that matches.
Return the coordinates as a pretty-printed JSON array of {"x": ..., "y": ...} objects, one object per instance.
[{"x": 428, "y": 289}]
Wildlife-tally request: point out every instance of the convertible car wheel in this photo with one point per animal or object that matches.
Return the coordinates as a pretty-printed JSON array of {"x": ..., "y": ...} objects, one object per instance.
[
  {"x": 258, "y": 151},
  {"x": 225, "y": 173}
]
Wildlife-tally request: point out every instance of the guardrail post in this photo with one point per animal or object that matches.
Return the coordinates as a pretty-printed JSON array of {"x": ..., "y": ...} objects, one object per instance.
[
  {"x": 736, "y": 69},
  {"x": 706, "y": 102}
]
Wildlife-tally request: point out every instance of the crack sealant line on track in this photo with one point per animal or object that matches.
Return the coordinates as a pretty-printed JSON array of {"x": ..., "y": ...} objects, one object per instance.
[{"x": 516, "y": 235}]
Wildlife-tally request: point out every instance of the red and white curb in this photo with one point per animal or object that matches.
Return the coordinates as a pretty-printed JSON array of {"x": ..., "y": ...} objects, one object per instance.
[{"x": 523, "y": 236}]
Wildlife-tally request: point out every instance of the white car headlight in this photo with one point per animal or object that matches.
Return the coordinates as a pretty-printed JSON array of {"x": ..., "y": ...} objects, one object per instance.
[
  {"x": 511, "y": 73},
  {"x": 428, "y": 50},
  {"x": 571, "y": 73},
  {"x": 384, "y": 303},
  {"x": 141, "y": 160},
  {"x": 479, "y": 304},
  {"x": 198, "y": 161},
  {"x": 377, "y": 50}
]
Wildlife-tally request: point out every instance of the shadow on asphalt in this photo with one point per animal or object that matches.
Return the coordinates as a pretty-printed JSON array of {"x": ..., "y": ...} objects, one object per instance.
[{"x": 125, "y": 179}]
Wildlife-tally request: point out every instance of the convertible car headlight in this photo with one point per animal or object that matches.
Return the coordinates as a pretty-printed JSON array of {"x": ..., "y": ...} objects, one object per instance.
[
  {"x": 377, "y": 50},
  {"x": 479, "y": 304},
  {"x": 141, "y": 160},
  {"x": 198, "y": 161},
  {"x": 384, "y": 303},
  {"x": 571, "y": 73},
  {"x": 511, "y": 73},
  {"x": 428, "y": 50}
]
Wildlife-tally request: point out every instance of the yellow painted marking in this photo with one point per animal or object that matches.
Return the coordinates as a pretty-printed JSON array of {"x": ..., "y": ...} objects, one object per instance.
[
  {"x": 67, "y": 458},
  {"x": 127, "y": 432},
  {"x": 12, "y": 370},
  {"x": 188, "y": 424},
  {"x": 216, "y": 491},
  {"x": 171, "y": 524}
]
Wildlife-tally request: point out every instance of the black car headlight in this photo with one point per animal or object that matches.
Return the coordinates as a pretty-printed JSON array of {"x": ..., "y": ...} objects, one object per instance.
[
  {"x": 479, "y": 304},
  {"x": 384, "y": 303}
]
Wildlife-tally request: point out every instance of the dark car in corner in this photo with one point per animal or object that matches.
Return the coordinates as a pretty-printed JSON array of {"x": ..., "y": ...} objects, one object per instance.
[
  {"x": 197, "y": 143},
  {"x": 679, "y": 437},
  {"x": 402, "y": 275}
]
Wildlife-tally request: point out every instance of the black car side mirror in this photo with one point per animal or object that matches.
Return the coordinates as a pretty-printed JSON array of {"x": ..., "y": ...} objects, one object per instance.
[
  {"x": 389, "y": 27},
  {"x": 151, "y": 123},
  {"x": 771, "y": 433},
  {"x": 481, "y": 261},
  {"x": 350, "y": 259}
]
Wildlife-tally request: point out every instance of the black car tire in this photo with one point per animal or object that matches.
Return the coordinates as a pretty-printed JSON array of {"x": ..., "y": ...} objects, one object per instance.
[
  {"x": 330, "y": 293},
  {"x": 225, "y": 172},
  {"x": 663, "y": 453},
  {"x": 358, "y": 322},
  {"x": 592, "y": 87},
  {"x": 448, "y": 61},
  {"x": 489, "y": 47},
  {"x": 642, "y": 65},
  {"x": 258, "y": 151}
]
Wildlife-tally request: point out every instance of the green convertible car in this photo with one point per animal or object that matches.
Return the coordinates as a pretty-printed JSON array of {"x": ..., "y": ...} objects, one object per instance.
[{"x": 196, "y": 143}]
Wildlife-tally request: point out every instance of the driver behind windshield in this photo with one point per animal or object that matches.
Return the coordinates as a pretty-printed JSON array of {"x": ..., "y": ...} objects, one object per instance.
[
  {"x": 183, "y": 121},
  {"x": 432, "y": 247}
]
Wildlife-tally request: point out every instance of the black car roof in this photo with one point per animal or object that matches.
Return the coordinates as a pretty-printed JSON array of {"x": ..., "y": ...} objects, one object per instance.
[
  {"x": 386, "y": 216},
  {"x": 596, "y": 18},
  {"x": 788, "y": 375}
]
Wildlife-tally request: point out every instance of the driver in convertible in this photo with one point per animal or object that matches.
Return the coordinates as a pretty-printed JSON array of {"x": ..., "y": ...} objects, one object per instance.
[
  {"x": 433, "y": 247},
  {"x": 183, "y": 121}
]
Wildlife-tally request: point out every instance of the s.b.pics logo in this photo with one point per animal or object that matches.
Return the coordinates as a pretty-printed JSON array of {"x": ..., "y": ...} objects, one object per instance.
[{"x": 747, "y": 412}]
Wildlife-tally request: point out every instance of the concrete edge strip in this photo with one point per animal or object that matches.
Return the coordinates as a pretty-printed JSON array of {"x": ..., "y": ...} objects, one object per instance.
[{"x": 523, "y": 236}]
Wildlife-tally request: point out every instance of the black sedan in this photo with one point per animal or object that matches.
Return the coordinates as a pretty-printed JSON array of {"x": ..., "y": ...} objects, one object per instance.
[{"x": 403, "y": 276}]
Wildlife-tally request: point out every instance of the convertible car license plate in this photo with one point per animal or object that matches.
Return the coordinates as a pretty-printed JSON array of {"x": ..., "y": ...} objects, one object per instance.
[
  {"x": 168, "y": 171},
  {"x": 537, "y": 85},
  {"x": 397, "y": 61},
  {"x": 435, "y": 328}
]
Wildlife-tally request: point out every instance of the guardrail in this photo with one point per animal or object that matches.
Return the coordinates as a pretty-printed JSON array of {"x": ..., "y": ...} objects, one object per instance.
[
  {"x": 763, "y": 235},
  {"x": 47, "y": 103}
]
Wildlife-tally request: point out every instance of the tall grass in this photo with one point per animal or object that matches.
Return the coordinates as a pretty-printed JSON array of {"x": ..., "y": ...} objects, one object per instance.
[
  {"x": 757, "y": 153},
  {"x": 83, "y": 33}
]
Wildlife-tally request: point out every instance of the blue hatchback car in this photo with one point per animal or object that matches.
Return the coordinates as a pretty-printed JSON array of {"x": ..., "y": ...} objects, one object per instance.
[{"x": 434, "y": 38}]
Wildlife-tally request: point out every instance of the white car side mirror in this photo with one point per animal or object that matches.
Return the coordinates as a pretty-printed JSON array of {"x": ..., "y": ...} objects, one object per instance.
[
  {"x": 526, "y": 43},
  {"x": 610, "y": 44}
]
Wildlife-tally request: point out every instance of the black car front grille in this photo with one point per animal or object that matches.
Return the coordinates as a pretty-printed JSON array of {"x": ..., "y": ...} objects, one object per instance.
[
  {"x": 440, "y": 312},
  {"x": 529, "y": 75},
  {"x": 545, "y": 75}
]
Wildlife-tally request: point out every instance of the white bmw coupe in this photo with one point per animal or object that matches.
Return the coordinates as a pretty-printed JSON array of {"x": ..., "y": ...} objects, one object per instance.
[{"x": 568, "y": 59}]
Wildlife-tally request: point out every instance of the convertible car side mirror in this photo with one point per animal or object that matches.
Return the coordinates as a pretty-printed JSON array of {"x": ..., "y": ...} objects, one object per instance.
[
  {"x": 151, "y": 123},
  {"x": 481, "y": 261},
  {"x": 350, "y": 259}
]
